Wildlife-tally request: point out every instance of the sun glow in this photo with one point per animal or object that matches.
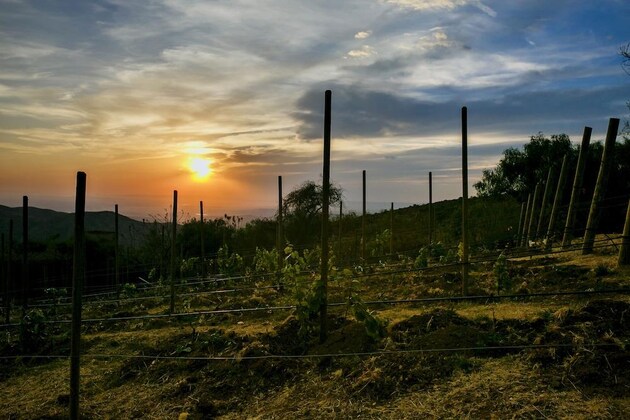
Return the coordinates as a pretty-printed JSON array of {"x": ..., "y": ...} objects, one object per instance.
[{"x": 200, "y": 168}]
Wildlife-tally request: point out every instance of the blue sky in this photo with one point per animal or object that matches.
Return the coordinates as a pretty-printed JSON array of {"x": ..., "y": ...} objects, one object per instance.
[{"x": 129, "y": 90}]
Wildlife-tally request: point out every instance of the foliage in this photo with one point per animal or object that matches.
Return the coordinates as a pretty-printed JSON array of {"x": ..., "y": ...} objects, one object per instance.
[
  {"x": 128, "y": 290},
  {"x": 302, "y": 208},
  {"x": 228, "y": 263},
  {"x": 519, "y": 170},
  {"x": 35, "y": 331},
  {"x": 189, "y": 267},
  {"x": 380, "y": 245},
  {"x": 501, "y": 274},
  {"x": 265, "y": 262},
  {"x": 306, "y": 287},
  {"x": 374, "y": 326}
]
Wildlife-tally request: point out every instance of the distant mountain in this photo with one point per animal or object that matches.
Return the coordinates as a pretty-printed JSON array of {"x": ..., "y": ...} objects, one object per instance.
[{"x": 49, "y": 225}]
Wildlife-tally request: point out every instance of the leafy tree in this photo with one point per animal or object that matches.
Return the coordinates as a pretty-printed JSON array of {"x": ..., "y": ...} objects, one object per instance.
[
  {"x": 302, "y": 208},
  {"x": 519, "y": 170}
]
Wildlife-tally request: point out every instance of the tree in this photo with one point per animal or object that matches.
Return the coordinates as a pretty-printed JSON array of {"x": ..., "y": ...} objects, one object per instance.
[
  {"x": 519, "y": 170},
  {"x": 302, "y": 209},
  {"x": 624, "y": 51}
]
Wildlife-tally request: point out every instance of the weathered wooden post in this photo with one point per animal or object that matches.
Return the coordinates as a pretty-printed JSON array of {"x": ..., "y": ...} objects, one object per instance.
[
  {"x": 78, "y": 278},
  {"x": 577, "y": 187},
  {"x": 550, "y": 237},
  {"x": 430, "y": 208},
  {"x": 339, "y": 234},
  {"x": 323, "y": 308},
  {"x": 465, "y": 201},
  {"x": 543, "y": 205},
  {"x": 116, "y": 253},
  {"x": 532, "y": 216},
  {"x": 624, "y": 250},
  {"x": 279, "y": 231},
  {"x": 523, "y": 238},
  {"x": 25, "y": 280},
  {"x": 363, "y": 215},
  {"x": 173, "y": 252},
  {"x": 600, "y": 186},
  {"x": 520, "y": 224},
  {"x": 3, "y": 277},
  {"x": 201, "y": 237},
  {"x": 391, "y": 231},
  {"x": 9, "y": 272}
]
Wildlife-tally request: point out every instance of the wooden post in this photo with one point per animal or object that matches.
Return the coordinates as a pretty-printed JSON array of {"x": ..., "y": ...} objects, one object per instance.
[
  {"x": 162, "y": 269},
  {"x": 520, "y": 223},
  {"x": 339, "y": 234},
  {"x": 543, "y": 204},
  {"x": 532, "y": 214},
  {"x": 3, "y": 277},
  {"x": 430, "y": 208},
  {"x": 624, "y": 250},
  {"x": 323, "y": 309},
  {"x": 556, "y": 204},
  {"x": 201, "y": 237},
  {"x": 116, "y": 253},
  {"x": 391, "y": 231},
  {"x": 173, "y": 252},
  {"x": 523, "y": 238},
  {"x": 280, "y": 231},
  {"x": 25, "y": 280},
  {"x": 9, "y": 273},
  {"x": 363, "y": 238},
  {"x": 600, "y": 186},
  {"x": 465, "y": 201},
  {"x": 78, "y": 278},
  {"x": 577, "y": 187}
]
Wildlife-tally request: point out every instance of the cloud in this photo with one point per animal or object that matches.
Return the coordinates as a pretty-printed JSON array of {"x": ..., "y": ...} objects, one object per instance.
[
  {"x": 365, "y": 51},
  {"x": 359, "y": 112},
  {"x": 362, "y": 34},
  {"x": 429, "y": 4}
]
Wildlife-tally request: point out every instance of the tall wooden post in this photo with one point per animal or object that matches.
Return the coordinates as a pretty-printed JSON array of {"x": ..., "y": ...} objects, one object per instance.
[
  {"x": 465, "y": 201},
  {"x": 173, "y": 252},
  {"x": 116, "y": 253},
  {"x": 363, "y": 215},
  {"x": 550, "y": 237},
  {"x": 600, "y": 186},
  {"x": 577, "y": 187},
  {"x": 162, "y": 264},
  {"x": 339, "y": 234},
  {"x": 3, "y": 277},
  {"x": 430, "y": 208},
  {"x": 532, "y": 215},
  {"x": 543, "y": 204},
  {"x": 25, "y": 279},
  {"x": 279, "y": 231},
  {"x": 624, "y": 250},
  {"x": 323, "y": 309},
  {"x": 520, "y": 224},
  {"x": 78, "y": 278},
  {"x": 9, "y": 272},
  {"x": 202, "y": 239},
  {"x": 523, "y": 238},
  {"x": 391, "y": 231}
]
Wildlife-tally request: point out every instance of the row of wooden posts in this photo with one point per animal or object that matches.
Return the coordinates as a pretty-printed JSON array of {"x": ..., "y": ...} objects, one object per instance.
[{"x": 525, "y": 231}]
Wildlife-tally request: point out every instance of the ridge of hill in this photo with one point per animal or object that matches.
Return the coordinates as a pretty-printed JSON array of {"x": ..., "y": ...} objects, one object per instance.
[{"x": 50, "y": 225}]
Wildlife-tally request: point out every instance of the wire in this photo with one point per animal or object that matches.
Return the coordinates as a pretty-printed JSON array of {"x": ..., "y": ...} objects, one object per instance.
[{"x": 237, "y": 358}]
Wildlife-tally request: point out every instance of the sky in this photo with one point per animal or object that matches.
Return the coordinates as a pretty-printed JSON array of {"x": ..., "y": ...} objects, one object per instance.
[{"x": 218, "y": 98}]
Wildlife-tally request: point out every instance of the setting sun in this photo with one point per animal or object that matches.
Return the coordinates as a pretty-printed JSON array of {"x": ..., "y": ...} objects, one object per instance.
[{"x": 200, "y": 168}]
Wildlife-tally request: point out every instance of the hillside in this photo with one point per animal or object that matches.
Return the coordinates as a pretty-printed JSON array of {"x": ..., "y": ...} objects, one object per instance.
[
  {"x": 49, "y": 225},
  {"x": 401, "y": 344}
]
